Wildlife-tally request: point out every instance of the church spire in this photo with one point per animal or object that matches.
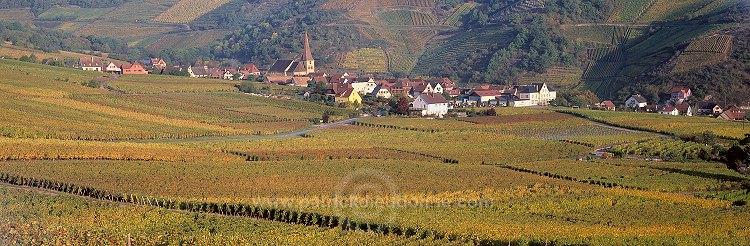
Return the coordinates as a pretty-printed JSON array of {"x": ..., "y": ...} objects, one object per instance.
[{"x": 307, "y": 55}]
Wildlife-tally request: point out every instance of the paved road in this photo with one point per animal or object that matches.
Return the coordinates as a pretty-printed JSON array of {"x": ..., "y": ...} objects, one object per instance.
[{"x": 298, "y": 133}]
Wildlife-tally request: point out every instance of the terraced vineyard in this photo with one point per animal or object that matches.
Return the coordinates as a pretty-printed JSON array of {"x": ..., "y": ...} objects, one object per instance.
[
  {"x": 78, "y": 14},
  {"x": 188, "y": 10},
  {"x": 368, "y": 60},
  {"x": 663, "y": 10},
  {"x": 455, "y": 18},
  {"x": 703, "y": 52},
  {"x": 630, "y": 11},
  {"x": 407, "y": 17},
  {"x": 455, "y": 49},
  {"x": 564, "y": 77}
]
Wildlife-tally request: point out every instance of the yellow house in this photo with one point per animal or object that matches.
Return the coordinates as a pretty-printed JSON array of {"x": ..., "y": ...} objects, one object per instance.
[{"x": 349, "y": 95}]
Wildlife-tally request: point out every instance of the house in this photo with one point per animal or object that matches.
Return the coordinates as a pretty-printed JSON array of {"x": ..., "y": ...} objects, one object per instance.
[
  {"x": 680, "y": 94},
  {"x": 198, "y": 72},
  {"x": 420, "y": 88},
  {"x": 215, "y": 73},
  {"x": 437, "y": 88},
  {"x": 228, "y": 74},
  {"x": 430, "y": 104},
  {"x": 91, "y": 64},
  {"x": 251, "y": 69},
  {"x": 349, "y": 95},
  {"x": 484, "y": 97},
  {"x": 454, "y": 93},
  {"x": 158, "y": 63},
  {"x": 732, "y": 113},
  {"x": 710, "y": 108},
  {"x": 669, "y": 110},
  {"x": 636, "y": 101},
  {"x": 300, "y": 81},
  {"x": 685, "y": 109},
  {"x": 650, "y": 109},
  {"x": 134, "y": 68},
  {"x": 363, "y": 86},
  {"x": 513, "y": 101},
  {"x": 112, "y": 68},
  {"x": 382, "y": 91},
  {"x": 609, "y": 105},
  {"x": 290, "y": 68},
  {"x": 446, "y": 84},
  {"x": 539, "y": 93}
]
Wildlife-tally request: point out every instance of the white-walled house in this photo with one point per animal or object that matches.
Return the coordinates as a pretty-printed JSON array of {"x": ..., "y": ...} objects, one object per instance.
[
  {"x": 437, "y": 88},
  {"x": 430, "y": 104},
  {"x": 112, "y": 68},
  {"x": 636, "y": 101},
  {"x": 381, "y": 91},
  {"x": 482, "y": 97},
  {"x": 538, "y": 93},
  {"x": 669, "y": 110},
  {"x": 90, "y": 64},
  {"x": 364, "y": 86},
  {"x": 513, "y": 101},
  {"x": 685, "y": 109}
]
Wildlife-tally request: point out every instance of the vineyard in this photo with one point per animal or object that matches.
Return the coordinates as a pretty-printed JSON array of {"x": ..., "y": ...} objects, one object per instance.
[
  {"x": 140, "y": 84},
  {"x": 672, "y": 125},
  {"x": 642, "y": 175},
  {"x": 123, "y": 30},
  {"x": 663, "y": 10},
  {"x": 169, "y": 160},
  {"x": 563, "y": 77},
  {"x": 188, "y": 10},
  {"x": 454, "y": 50},
  {"x": 20, "y": 15},
  {"x": 667, "y": 149},
  {"x": 631, "y": 11},
  {"x": 455, "y": 18},
  {"x": 368, "y": 60},
  {"x": 185, "y": 39},
  {"x": 703, "y": 52},
  {"x": 406, "y": 17},
  {"x": 77, "y": 14}
]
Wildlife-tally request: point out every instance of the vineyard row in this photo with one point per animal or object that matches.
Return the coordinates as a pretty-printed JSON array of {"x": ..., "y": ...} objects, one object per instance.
[
  {"x": 568, "y": 178},
  {"x": 248, "y": 211}
]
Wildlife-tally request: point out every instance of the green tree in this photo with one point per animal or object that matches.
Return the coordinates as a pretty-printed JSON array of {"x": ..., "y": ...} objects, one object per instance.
[{"x": 248, "y": 87}]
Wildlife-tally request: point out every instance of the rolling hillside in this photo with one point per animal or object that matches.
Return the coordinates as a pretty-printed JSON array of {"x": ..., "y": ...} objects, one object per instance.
[{"x": 151, "y": 24}]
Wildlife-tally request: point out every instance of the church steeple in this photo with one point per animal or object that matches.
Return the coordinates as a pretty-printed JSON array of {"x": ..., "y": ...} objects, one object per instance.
[{"x": 307, "y": 57}]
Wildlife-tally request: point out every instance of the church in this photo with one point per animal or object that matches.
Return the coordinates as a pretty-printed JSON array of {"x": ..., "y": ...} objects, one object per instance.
[{"x": 285, "y": 69}]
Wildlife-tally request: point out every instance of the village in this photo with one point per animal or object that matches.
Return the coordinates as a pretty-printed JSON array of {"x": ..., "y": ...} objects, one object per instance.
[{"x": 426, "y": 97}]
